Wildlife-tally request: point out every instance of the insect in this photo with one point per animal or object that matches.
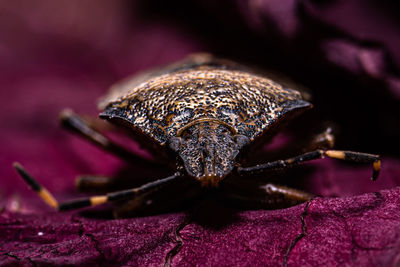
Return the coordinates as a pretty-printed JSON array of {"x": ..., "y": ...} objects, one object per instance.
[{"x": 202, "y": 112}]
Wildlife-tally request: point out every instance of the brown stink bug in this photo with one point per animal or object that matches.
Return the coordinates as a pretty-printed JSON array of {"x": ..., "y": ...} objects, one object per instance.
[{"x": 204, "y": 112}]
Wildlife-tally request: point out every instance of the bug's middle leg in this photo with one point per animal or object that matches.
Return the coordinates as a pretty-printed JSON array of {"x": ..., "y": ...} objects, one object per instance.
[{"x": 268, "y": 196}]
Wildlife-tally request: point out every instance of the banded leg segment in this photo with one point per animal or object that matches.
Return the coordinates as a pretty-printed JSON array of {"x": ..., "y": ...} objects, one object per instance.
[
  {"x": 43, "y": 193},
  {"x": 73, "y": 122},
  {"x": 318, "y": 154},
  {"x": 48, "y": 198}
]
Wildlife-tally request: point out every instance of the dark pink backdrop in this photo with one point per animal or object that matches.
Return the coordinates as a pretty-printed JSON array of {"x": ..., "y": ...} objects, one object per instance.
[{"x": 58, "y": 54}]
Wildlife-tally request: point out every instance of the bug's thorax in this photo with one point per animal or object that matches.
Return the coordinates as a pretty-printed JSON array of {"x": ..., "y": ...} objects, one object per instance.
[{"x": 208, "y": 150}]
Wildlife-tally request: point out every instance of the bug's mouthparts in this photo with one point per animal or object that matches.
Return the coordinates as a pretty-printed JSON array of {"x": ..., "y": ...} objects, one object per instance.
[{"x": 210, "y": 180}]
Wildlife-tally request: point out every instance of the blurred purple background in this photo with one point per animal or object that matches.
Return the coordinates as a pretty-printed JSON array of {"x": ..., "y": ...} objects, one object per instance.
[{"x": 58, "y": 54}]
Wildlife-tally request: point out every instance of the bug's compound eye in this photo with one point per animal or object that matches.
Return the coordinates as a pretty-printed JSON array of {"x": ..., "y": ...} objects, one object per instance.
[
  {"x": 174, "y": 143},
  {"x": 225, "y": 131},
  {"x": 241, "y": 140}
]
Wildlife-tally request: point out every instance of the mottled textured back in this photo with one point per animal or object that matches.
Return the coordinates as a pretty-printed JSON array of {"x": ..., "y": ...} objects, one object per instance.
[{"x": 162, "y": 106}]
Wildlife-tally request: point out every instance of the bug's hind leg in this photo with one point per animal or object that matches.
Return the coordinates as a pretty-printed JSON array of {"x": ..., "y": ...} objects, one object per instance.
[
  {"x": 269, "y": 196},
  {"x": 318, "y": 154},
  {"x": 73, "y": 122},
  {"x": 132, "y": 193}
]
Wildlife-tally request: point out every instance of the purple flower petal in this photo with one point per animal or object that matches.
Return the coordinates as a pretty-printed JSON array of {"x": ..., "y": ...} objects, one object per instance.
[{"x": 66, "y": 54}]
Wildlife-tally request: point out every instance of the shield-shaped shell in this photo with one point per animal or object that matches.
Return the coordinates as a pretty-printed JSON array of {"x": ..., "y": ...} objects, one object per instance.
[{"x": 162, "y": 103}]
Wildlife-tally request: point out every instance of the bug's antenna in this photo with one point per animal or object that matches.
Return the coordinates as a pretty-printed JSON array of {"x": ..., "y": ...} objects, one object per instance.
[
  {"x": 43, "y": 193},
  {"x": 48, "y": 198},
  {"x": 118, "y": 195},
  {"x": 319, "y": 154}
]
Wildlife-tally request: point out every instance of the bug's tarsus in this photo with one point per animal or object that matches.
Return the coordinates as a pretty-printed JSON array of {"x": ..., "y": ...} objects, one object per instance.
[
  {"x": 48, "y": 198},
  {"x": 74, "y": 123},
  {"x": 318, "y": 154}
]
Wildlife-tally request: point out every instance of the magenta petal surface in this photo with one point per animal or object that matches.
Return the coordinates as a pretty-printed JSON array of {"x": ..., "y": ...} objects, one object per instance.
[{"x": 59, "y": 54}]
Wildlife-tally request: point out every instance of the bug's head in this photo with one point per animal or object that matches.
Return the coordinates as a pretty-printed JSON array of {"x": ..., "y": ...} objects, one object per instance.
[{"x": 208, "y": 151}]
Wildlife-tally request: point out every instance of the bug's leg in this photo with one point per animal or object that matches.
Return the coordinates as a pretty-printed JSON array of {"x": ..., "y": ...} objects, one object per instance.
[
  {"x": 318, "y": 154},
  {"x": 48, "y": 198},
  {"x": 94, "y": 183},
  {"x": 280, "y": 191},
  {"x": 73, "y": 122},
  {"x": 324, "y": 139},
  {"x": 129, "y": 207},
  {"x": 270, "y": 196}
]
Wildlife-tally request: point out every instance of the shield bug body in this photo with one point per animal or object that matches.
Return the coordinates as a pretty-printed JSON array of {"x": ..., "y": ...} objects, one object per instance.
[{"x": 204, "y": 111}]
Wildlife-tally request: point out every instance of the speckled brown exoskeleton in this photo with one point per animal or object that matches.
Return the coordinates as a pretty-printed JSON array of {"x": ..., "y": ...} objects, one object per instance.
[{"x": 203, "y": 112}]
